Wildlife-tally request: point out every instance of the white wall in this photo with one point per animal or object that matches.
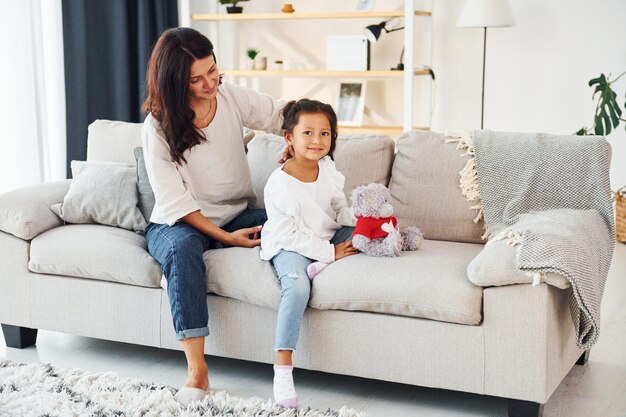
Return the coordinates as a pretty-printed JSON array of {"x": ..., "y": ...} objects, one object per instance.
[{"x": 537, "y": 71}]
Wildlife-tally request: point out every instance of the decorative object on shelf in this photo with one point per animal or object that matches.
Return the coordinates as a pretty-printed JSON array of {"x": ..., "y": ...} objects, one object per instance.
[
  {"x": 347, "y": 53},
  {"x": 260, "y": 63},
  {"x": 278, "y": 65},
  {"x": 364, "y": 5},
  {"x": 234, "y": 8},
  {"x": 373, "y": 32},
  {"x": 608, "y": 114},
  {"x": 252, "y": 54},
  {"x": 287, "y": 8},
  {"x": 485, "y": 14},
  {"x": 351, "y": 103}
]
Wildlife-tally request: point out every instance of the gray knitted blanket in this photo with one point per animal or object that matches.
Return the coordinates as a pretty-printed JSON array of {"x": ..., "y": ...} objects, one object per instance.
[{"x": 551, "y": 195}]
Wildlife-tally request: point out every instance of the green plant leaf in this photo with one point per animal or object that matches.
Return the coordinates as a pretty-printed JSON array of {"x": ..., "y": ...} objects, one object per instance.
[
  {"x": 252, "y": 52},
  {"x": 607, "y": 112},
  {"x": 582, "y": 132}
]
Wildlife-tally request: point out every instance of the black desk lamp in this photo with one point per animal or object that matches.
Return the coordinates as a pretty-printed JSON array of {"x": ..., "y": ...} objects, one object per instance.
[{"x": 373, "y": 32}]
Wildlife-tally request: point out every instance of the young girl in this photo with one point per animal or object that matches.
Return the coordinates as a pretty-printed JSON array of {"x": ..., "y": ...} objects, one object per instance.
[{"x": 306, "y": 208}]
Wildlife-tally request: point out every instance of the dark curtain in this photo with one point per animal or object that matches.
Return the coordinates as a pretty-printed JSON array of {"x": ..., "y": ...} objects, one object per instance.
[{"x": 106, "y": 46}]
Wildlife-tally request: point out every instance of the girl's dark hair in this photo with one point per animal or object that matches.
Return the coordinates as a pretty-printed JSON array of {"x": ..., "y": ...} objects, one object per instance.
[
  {"x": 168, "y": 85},
  {"x": 291, "y": 112}
]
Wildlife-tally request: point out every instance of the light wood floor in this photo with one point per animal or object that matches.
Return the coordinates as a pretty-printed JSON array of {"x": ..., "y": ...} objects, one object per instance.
[{"x": 597, "y": 389}]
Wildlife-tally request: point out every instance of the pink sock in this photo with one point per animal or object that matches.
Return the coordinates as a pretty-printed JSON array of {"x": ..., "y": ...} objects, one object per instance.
[
  {"x": 284, "y": 389},
  {"x": 315, "y": 268}
]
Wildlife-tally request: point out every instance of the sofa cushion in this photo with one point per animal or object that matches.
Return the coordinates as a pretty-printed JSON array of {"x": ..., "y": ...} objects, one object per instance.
[
  {"x": 361, "y": 158},
  {"x": 429, "y": 283},
  {"x": 94, "y": 251},
  {"x": 496, "y": 264},
  {"x": 102, "y": 192},
  {"x": 144, "y": 189},
  {"x": 113, "y": 141},
  {"x": 240, "y": 273},
  {"x": 264, "y": 152},
  {"x": 25, "y": 212},
  {"x": 425, "y": 189}
]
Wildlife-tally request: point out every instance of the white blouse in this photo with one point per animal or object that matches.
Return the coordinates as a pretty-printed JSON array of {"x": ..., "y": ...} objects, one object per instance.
[
  {"x": 216, "y": 178},
  {"x": 303, "y": 217}
]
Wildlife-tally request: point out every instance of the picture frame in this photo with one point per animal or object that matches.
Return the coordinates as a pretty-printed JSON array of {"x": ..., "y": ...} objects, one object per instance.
[
  {"x": 365, "y": 5},
  {"x": 351, "y": 102}
]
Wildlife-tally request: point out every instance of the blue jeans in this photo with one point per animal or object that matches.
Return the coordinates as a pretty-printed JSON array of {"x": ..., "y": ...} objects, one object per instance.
[
  {"x": 179, "y": 250},
  {"x": 295, "y": 290}
]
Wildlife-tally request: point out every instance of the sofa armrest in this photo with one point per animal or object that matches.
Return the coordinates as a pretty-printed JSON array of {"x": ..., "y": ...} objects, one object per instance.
[{"x": 25, "y": 212}]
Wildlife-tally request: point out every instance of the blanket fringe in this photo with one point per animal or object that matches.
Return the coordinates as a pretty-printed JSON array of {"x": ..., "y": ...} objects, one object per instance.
[
  {"x": 537, "y": 277},
  {"x": 512, "y": 237},
  {"x": 468, "y": 180}
]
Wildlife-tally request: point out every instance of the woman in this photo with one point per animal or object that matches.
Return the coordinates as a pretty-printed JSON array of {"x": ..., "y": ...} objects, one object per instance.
[{"x": 195, "y": 157}]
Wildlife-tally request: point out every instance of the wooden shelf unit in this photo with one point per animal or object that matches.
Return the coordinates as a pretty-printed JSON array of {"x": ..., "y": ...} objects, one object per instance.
[
  {"x": 321, "y": 73},
  {"x": 394, "y": 131},
  {"x": 301, "y": 16},
  {"x": 408, "y": 13}
]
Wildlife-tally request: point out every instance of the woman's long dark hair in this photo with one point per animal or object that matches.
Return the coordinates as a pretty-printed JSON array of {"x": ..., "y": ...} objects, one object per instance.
[
  {"x": 291, "y": 112},
  {"x": 168, "y": 85}
]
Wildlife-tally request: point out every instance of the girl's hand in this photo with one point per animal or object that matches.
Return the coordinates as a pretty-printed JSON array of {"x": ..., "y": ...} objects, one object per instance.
[
  {"x": 345, "y": 249},
  {"x": 242, "y": 237},
  {"x": 287, "y": 153}
]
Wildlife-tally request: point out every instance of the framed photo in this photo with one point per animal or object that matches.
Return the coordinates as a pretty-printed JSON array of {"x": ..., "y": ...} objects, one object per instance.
[
  {"x": 365, "y": 5},
  {"x": 351, "y": 103}
]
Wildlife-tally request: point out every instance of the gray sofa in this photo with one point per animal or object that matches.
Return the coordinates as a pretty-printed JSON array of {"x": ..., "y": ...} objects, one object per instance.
[{"x": 416, "y": 319}]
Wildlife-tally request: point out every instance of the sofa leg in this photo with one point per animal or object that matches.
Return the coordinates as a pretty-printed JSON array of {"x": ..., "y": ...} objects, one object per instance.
[
  {"x": 519, "y": 408},
  {"x": 583, "y": 358},
  {"x": 19, "y": 337}
]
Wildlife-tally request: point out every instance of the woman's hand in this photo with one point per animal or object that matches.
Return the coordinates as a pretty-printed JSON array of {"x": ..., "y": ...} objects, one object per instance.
[
  {"x": 287, "y": 153},
  {"x": 345, "y": 249},
  {"x": 242, "y": 237}
]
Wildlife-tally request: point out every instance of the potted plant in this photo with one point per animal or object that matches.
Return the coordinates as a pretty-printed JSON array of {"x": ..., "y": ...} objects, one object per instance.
[
  {"x": 607, "y": 117},
  {"x": 608, "y": 114},
  {"x": 234, "y": 8},
  {"x": 252, "y": 54}
]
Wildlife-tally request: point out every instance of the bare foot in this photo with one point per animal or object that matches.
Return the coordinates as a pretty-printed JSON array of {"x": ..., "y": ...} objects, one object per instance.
[{"x": 198, "y": 378}]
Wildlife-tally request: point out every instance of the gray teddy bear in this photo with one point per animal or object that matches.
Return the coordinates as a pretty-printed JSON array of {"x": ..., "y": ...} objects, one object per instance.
[{"x": 376, "y": 232}]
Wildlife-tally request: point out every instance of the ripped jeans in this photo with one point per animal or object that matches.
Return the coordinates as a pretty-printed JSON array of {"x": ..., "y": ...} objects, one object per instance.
[{"x": 295, "y": 290}]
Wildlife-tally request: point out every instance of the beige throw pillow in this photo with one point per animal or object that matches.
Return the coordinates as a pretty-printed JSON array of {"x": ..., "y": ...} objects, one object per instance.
[
  {"x": 425, "y": 189},
  {"x": 495, "y": 265}
]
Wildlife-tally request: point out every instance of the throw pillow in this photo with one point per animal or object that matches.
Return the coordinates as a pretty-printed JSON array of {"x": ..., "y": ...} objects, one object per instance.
[
  {"x": 104, "y": 193},
  {"x": 495, "y": 265},
  {"x": 146, "y": 195},
  {"x": 425, "y": 189}
]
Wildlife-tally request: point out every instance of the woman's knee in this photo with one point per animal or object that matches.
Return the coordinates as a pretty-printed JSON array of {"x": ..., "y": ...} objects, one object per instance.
[{"x": 180, "y": 246}]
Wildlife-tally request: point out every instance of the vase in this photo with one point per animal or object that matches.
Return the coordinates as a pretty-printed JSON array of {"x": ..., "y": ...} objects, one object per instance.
[
  {"x": 234, "y": 9},
  {"x": 260, "y": 63}
]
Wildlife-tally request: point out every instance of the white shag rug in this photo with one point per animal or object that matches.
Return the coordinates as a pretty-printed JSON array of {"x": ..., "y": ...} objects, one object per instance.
[{"x": 40, "y": 389}]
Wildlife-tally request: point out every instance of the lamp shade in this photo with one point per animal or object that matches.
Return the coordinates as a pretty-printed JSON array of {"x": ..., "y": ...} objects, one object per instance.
[
  {"x": 372, "y": 32},
  {"x": 486, "y": 14}
]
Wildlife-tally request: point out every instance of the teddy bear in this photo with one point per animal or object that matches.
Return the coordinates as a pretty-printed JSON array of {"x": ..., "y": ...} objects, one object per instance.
[{"x": 376, "y": 232}]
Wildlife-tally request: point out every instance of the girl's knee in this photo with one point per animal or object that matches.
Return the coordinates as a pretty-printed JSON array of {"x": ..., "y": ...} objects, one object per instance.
[{"x": 295, "y": 284}]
